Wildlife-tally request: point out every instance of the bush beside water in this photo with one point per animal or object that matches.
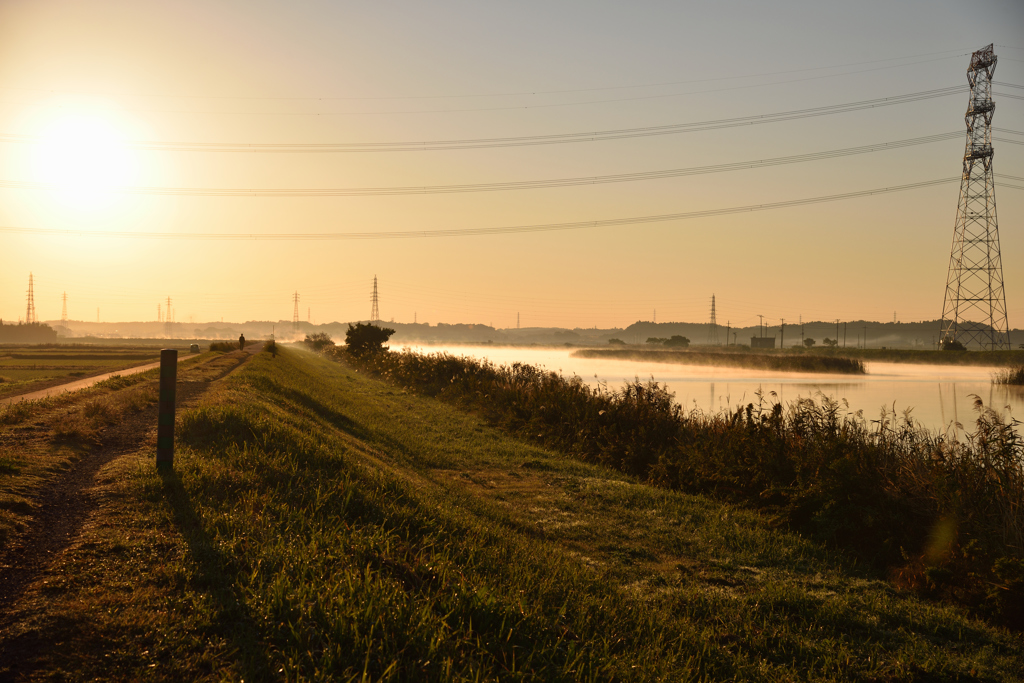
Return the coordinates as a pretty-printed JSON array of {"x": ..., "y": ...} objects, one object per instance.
[{"x": 939, "y": 515}]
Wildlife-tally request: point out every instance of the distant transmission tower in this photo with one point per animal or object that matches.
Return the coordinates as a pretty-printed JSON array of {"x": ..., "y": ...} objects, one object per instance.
[
  {"x": 295, "y": 311},
  {"x": 30, "y": 308},
  {"x": 168, "y": 322},
  {"x": 374, "y": 304},
  {"x": 64, "y": 310},
  {"x": 713, "y": 329},
  {"x": 974, "y": 310}
]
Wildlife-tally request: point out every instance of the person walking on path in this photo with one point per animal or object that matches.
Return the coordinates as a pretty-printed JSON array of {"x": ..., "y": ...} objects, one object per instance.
[{"x": 241, "y": 341}]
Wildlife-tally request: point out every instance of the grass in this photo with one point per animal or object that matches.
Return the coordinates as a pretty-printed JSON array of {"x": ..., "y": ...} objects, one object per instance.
[
  {"x": 1012, "y": 376},
  {"x": 24, "y": 369},
  {"x": 943, "y": 517},
  {"x": 323, "y": 525},
  {"x": 760, "y": 361},
  {"x": 42, "y": 439}
]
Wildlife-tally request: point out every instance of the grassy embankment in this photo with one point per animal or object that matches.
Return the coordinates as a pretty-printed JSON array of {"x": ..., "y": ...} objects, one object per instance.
[
  {"x": 323, "y": 525},
  {"x": 945, "y": 518},
  {"x": 756, "y": 360},
  {"x": 28, "y": 368}
]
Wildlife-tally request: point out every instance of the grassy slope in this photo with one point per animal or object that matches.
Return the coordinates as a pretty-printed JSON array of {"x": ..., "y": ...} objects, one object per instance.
[{"x": 322, "y": 526}]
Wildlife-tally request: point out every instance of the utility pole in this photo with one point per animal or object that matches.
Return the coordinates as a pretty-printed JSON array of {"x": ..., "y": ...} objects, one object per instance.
[
  {"x": 760, "y": 325},
  {"x": 844, "y": 335},
  {"x": 782, "y": 334},
  {"x": 837, "y": 330},
  {"x": 865, "y": 336},
  {"x": 727, "y": 327}
]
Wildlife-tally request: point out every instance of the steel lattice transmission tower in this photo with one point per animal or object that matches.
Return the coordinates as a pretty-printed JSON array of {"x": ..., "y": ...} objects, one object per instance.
[
  {"x": 974, "y": 310},
  {"x": 713, "y": 329},
  {"x": 64, "y": 310},
  {"x": 374, "y": 304},
  {"x": 30, "y": 308},
  {"x": 295, "y": 311}
]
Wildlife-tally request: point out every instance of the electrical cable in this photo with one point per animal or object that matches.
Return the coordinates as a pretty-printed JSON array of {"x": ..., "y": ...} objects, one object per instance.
[
  {"x": 528, "y": 106},
  {"x": 474, "y": 232},
  {"x": 527, "y": 140},
  {"x": 505, "y": 186},
  {"x": 505, "y": 94}
]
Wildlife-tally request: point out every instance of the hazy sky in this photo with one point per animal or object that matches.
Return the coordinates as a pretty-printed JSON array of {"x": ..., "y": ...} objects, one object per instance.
[{"x": 79, "y": 80}]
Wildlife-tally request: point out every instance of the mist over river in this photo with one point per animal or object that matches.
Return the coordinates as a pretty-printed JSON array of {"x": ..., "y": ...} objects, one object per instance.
[{"x": 938, "y": 396}]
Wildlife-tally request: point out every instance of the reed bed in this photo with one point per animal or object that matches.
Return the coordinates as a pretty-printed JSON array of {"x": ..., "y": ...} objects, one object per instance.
[
  {"x": 938, "y": 514},
  {"x": 1013, "y": 376},
  {"x": 760, "y": 361}
]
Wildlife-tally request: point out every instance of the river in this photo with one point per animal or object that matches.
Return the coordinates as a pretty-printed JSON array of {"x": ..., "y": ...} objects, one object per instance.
[{"x": 938, "y": 396}]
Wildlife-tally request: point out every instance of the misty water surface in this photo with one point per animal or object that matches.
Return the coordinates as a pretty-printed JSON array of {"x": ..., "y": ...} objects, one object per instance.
[{"x": 938, "y": 395}]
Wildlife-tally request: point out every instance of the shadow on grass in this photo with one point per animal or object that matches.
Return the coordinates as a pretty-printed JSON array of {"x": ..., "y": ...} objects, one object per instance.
[{"x": 232, "y": 618}]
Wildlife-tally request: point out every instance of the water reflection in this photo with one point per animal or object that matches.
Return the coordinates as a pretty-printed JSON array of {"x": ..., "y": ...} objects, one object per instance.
[{"x": 936, "y": 396}]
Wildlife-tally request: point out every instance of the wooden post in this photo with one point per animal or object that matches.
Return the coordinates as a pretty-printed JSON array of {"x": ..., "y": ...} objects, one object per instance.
[{"x": 165, "y": 421}]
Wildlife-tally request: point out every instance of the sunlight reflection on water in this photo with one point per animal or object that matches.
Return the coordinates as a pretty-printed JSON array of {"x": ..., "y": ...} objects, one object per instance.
[{"x": 937, "y": 395}]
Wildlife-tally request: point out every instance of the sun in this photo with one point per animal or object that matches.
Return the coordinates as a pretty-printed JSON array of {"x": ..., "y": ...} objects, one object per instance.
[{"x": 83, "y": 160}]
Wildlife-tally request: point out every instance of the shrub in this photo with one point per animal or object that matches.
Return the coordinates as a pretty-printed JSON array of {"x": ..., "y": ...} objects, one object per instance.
[
  {"x": 677, "y": 341},
  {"x": 223, "y": 346},
  {"x": 319, "y": 341},
  {"x": 364, "y": 339}
]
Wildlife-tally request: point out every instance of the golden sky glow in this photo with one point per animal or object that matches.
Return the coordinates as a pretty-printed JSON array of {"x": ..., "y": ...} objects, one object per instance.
[{"x": 84, "y": 87}]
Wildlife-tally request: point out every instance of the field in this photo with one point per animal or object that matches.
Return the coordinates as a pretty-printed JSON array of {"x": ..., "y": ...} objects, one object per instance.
[
  {"x": 29, "y": 368},
  {"x": 323, "y": 525}
]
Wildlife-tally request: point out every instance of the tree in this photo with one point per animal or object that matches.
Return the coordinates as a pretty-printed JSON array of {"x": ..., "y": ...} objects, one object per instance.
[
  {"x": 677, "y": 341},
  {"x": 809, "y": 342},
  {"x": 614, "y": 342},
  {"x": 364, "y": 338},
  {"x": 952, "y": 345},
  {"x": 656, "y": 340},
  {"x": 319, "y": 341},
  {"x": 830, "y": 342}
]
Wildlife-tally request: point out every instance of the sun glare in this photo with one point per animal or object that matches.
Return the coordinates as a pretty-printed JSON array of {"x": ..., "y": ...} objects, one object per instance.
[{"x": 82, "y": 159}]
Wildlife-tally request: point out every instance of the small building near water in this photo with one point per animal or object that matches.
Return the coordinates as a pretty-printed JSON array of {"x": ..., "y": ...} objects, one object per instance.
[{"x": 762, "y": 342}]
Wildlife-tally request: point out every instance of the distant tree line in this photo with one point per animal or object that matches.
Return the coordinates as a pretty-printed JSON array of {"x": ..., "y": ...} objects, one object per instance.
[{"x": 31, "y": 333}]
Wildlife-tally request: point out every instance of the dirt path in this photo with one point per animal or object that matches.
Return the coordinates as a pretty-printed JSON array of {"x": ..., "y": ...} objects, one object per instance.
[{"x": 66, "y": 502}]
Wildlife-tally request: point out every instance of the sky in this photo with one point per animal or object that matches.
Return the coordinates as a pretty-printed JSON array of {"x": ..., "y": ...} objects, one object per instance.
[{"x": 100, "y": 99}]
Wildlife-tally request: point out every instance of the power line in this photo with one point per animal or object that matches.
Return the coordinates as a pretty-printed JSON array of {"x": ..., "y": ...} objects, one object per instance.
[
  {"x": 474, "y": 232},
  {"x": 528, "y": 106},
  {"x": 512, "y": 185},
  {"x": 528, "y": 140},
  {"x": 501, "y": 94}
]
